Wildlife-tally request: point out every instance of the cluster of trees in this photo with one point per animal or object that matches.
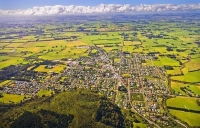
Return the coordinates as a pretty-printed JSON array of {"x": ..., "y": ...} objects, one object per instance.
[
  {"x": 169, "y": 48},
  {"x": 20, "y": 72},
  {"x": 183, "y": 109},
  {"x": 122, "y": 89},
  {"x": 181, "y": 50},
  {"x": 27, "y": 120},
  {"x": 111, "y": 115},
  {"x": 198, "y": 101},
  {"x": 167, "y": 67},
  {"x": 1, "y": 95},
  {"x": 8, "y": 72},
  {"x": 53, "y": 119},
  {"x": 186, "y": 90},
  {"x": 41, "y": 119}
]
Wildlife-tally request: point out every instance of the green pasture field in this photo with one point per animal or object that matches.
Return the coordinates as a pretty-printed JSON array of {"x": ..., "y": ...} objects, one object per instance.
[
  {"x": 44, "y": 92},
  {"x": 6, "y": 50},
  {"x": 46, "y": 38},
  {"x": 6, "y": 40},
  {"x": 31, "y": 37},
  {"x": 9, "y": 98},
  {"x": 154, "y": 63},
  {"x": 5, "y": 83},
  {"x": 67, "y": 53},
  {"x": 21, "y": 41},
  {"x": 168, "y": 61},
  {"x": 4, "y": 58},
  {"x": 109, "y": 49},
  {"x": 102, "y": 39},
  {"x": 194, "y": 64},
  {"x": 14, "y": 45},
  {"x": 165, "y": 61},
  {"x": 197, "y": 55},
  {"x": 189, "y": 77},
  {"x": 175, "y": 71},
  {"x": 128, "y": 48},
  {"x": 184, "y": 102},
  {"x": 139, "y": 125},
  {"x": 3, "y": 44},
  {"x": 12, "y": 61},
  {"x": 192, "y": 119},
  {"x": 57, "y": 68},
  {"x": 94, "y": 51},
  {"x": 128, "y": 43},
  {"x": 176, "y": 87},
  {"x": 161, "y": 50}
]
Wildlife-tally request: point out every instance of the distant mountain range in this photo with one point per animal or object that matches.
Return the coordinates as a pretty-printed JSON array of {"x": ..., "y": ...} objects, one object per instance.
[{"x": 103, "y": 8}]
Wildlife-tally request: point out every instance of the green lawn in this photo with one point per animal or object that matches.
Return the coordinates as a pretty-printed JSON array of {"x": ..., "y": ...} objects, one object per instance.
[
  {"x": 11, "y": 61},
  {"x": 183, "y": 102},
  {"x": 8, "y": 98},
  {"x": 5, "y": 82},
  {"x": 168, "y": 61},
  {"x": 175, "y": 71},
  {"x": 191, "y": 119},
  {"x": 192, "y": 76},
  {"x": 44, "y": 92},
  {"x": 189, "y": 77},
  {"x": 176, "y": 87},
  {"x": 140, "y": 125},
  {"x": 57, "y": 68},
  {"x": 194, "y": 64}
]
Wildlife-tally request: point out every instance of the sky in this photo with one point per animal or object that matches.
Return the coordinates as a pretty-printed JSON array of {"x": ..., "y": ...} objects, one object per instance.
[{"x": 25, "y": 4}]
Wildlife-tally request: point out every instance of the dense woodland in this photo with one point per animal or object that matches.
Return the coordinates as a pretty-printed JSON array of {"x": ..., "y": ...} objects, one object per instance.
[{"x": 88, "y": 110}]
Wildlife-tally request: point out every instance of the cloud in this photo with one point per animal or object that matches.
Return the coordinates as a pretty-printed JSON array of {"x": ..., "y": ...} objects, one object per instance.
[{"x": 102, "y": 8}]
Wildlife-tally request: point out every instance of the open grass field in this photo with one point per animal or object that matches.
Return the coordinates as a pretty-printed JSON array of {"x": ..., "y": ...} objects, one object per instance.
[
  {"x": 130, "y": 43},
  {"x": 11, "y": 61},
  {"x": 140, "y": 125},
  {"x": 154, "y": 62},
  {"x": 14, "y": 45},
  {"x": 4, "y": 83},
  {"x": 56, "y": 69},
  {"x": 168, "y": 61},
  {"x": 128, "y": 48},
  {"x": 175, "y": 71},
  {"x": 8, "y": 98},
  {"x": 183, "y": 102},
  {"x": 109, "y": 49},
  {"x": 67, "y": 53},
  {"x": 44, "y": 92},
  {"x": 176, "y": 87},
  {"x": 192, "y": 119},
  {"x": 189, "y": 77},
  {"x": 194, "y": 64},
  {"x": 3, "y": 44}
]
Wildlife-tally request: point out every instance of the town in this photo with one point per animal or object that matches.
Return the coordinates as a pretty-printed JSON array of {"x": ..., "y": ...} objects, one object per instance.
[{"x": 121, "y": 76}]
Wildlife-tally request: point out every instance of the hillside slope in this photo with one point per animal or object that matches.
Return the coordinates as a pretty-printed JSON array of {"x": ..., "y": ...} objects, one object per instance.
[{"x": 75, "y": 109}]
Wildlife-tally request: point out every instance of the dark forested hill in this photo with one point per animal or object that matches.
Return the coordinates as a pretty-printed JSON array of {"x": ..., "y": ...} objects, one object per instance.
[{"x": 75, "y": 109}]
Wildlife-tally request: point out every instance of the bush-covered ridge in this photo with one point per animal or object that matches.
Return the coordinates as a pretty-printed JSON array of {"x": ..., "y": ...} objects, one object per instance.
[{"x": 67, "y": 109}]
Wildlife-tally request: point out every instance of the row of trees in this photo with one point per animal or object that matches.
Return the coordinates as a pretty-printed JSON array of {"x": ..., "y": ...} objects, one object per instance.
[{"x": 1, "y": 95}]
